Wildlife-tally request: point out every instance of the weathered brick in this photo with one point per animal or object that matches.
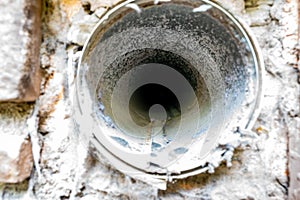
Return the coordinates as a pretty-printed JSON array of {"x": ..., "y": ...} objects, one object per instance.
[
  {"x": 16, "y": 158},
  {"x": 20, "y": 39}
]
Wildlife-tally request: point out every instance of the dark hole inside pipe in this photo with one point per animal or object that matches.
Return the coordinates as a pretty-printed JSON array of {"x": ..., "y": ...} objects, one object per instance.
[{"x": 148, "y": 96}]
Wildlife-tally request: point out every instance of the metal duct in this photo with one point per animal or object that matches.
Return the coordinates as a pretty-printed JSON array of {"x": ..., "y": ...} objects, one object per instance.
[{"x": 159, "y": 82}]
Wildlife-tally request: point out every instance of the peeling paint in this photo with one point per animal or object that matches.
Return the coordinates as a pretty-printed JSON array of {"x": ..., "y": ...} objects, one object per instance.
[
  {"x": 134, "y": 7},
  {"x": 202, "y": 8}
]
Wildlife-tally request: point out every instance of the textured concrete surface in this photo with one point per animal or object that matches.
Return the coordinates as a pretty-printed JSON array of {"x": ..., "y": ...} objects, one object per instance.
[
  {"x": 64, "y": 169},
  {"x": 20, "y": 40}
]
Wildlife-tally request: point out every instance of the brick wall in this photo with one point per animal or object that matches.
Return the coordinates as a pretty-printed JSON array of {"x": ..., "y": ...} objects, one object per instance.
[{"x": 40, "y": 155}]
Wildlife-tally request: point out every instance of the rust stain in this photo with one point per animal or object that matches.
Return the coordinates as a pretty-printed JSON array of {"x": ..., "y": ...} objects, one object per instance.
[
  {"x": 261, "y": 130},
  {"x": 47, "y": 109},
  {"x": 71, "y": 7},
  {"x": 48, "y": 77},
  {"x": 286, "y": 172},
  {"x": 186, "y": 186}
]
